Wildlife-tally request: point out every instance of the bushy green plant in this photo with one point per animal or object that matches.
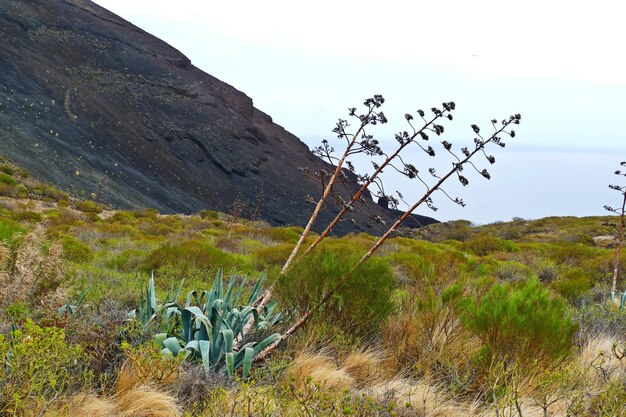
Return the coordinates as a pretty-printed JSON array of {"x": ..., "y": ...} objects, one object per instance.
[
  {"x": 75, "y": 250},
  {"x": 7, "y": 169},
  {"x": 8, "y": 228},
  {"x": 485, "y": 244},
  {"x": 513, "y": 271},
  {"x": 38, "y": 366},
  {"x": 273, "y": 255},
  {"x": 283, "y": 234},
  {"x": 27, "y": 216},
  {"x": 88, "y": 206},
  {"x": 7, "y": 179},
  {"x": 205, "y": 328},
  {"x": 358, "y": 306},
  {"x": 521, "y": 323},
  {"x": 194, "y": 255},
  {"x": 573, "y": 283}
]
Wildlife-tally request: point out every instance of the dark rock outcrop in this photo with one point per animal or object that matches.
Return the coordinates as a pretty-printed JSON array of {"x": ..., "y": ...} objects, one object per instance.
[{"x": 88, "y": 98}]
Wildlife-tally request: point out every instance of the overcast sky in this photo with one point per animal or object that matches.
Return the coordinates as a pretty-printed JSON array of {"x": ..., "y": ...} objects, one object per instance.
[{"x": 561, "y": 64}]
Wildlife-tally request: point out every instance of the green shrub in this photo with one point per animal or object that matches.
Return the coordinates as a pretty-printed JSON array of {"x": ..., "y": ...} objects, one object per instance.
[
  {"x": 38, "y": 365},
  {"x": 520, "y": 323},
  {"x": 485, "y": 244},
  {"x": 7, "y": 169},
  {"x": 22, "y": 191},
  {"x": 8, "y": 228},
  {"x": 283, "y": 234},
  {"x": 27, "y": 216},
  {"x": 75, "y": 250},
  {"x": 358, "y": 306},
  {"x": 88, "y": 206},
  {"x": 274, "y": 255},
  {"x": 192, "y": 255},
  {"x": 573, "y": 283},
  {"x": 208, "y": 214},
  {"x": 63, "y": 204},
  {"x": 513, "y": 271},
  {"x": 7, "y": 190},
  {"x": 7, "y": 179}
]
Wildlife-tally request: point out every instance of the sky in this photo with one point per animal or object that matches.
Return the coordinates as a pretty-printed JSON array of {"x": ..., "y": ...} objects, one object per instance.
[{"x": 561, "y": 64}]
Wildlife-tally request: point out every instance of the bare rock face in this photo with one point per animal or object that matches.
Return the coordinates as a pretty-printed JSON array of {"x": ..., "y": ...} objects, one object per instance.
[{"x": 87, "y": 100}]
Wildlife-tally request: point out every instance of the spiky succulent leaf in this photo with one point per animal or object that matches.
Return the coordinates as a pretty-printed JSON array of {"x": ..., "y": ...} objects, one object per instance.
[
  {"x": 230, "y": 364},
  {"x": 266, "y": 342},
  {"x": 247, "y": 362},
  {"x": 172, "y": 344}
]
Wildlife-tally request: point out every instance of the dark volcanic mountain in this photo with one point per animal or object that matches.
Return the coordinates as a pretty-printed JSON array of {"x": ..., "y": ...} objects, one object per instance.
[{"x": 87, "y": 99}]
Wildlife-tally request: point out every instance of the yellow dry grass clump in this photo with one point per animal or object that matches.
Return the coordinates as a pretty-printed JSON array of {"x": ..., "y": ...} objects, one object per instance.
[
  {"x": 134, "y": 396},
  {"x": 366, "y": 367},
  {"x": 319, "y": 369}
]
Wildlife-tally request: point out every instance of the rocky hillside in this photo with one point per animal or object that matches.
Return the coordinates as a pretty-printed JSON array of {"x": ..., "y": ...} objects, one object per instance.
[{"x": 97, "y": 106}]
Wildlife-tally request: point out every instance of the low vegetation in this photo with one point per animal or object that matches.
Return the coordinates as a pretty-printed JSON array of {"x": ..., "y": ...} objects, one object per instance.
[{"x": 504, "y": 319}]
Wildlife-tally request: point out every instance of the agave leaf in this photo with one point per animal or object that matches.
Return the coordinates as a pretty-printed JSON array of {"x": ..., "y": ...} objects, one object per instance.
[
  {"x": 233, "y": 320},
  {"x": 152, "y": 294},
  {"x": 228, "y": 340},
  {"x": 186, "y": 317},
  {"x": 169, "y": 311},
  {"x": 81, "y": 298},
  {"x": 169, "y": 293},
  {"x": 217, "y": 347},
  {"x": 204, "y": 353},
  {"x": 218, "y": 305},
  {"x": 241, "y": 286},
  {"x": 266, "y": 342},
  {"x": 241, "y": 353},
  {"x": 192, "y": 350},
  {"x": 191, "y": 295},
  {"x": 230, "y": 289},
  {"x": 203, "y": 300},
  {"x": 216, "y": 290},
  {"x": 173, "y": 345},
  {"x": 230, "y": 364},
  {"x": 195, "y": 310},
  {"x": 203, "y": 328},
  {"x": 159, "y": 338},
  {"x": 177, "y": 293},
  {"x": 256, "y": 291},
  {"x": 247, "y": 362},
  {"x": 66, "y": 308}
]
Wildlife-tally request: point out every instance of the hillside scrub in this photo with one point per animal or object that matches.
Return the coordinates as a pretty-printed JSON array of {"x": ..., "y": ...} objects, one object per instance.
[{"x": 429, "y": 319}]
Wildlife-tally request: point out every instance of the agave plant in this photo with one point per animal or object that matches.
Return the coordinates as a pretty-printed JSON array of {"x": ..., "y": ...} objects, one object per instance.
[
  {"x": 150, "y": 313},
  {"x": 77, "y": 306},
  {"x": 205, "y": 328}
]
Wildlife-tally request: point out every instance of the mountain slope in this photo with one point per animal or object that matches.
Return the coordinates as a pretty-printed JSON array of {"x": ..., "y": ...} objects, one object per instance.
[{"x": 96, "y": 105}]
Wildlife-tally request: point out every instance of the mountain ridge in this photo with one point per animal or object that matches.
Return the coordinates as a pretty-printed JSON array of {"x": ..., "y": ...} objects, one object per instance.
[{"x": 96, "y": 105}]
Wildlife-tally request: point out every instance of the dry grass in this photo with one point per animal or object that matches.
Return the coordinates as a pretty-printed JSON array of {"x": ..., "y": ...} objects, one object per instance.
[
  {"x": 423, "y": 397},
  {"x": 33, "y": 272},
  {"x": 366, "y": 367},
  {"x": 89, "y": 405},
  {"x": 319, "y": 369},
  {"x": 599, "y": 362},
  {"x": 128, "y": 378},
  {"x": 146, "y": 401}
]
